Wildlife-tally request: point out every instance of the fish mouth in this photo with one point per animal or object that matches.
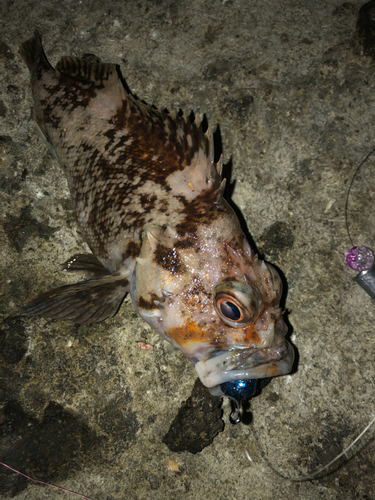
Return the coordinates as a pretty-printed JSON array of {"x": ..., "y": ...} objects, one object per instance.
[{"x": 246, "y": 364}]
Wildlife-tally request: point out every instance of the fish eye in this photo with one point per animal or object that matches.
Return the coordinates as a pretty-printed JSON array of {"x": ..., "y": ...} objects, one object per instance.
[
  {"x": 229, "y": 309},
  {"x": 236, "y": 302}
]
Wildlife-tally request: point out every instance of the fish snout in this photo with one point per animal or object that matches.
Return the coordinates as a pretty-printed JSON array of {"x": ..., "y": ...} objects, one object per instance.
[{"x": 245, "y": 364}]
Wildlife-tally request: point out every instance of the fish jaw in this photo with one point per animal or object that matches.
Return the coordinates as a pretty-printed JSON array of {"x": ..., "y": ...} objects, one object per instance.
[
  {"x": 244, "y": 357},
  {"x": 245, "y": 364}
]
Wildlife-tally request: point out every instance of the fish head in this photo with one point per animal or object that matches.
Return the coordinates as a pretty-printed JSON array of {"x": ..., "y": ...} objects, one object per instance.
[{"x": 213, "y": 298}]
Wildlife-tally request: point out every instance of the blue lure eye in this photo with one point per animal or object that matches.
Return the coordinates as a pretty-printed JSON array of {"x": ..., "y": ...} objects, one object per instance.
[
  {"x": 239, "y": 389},
  {"x": 230, "y": 310},
  {"x": 242, "y": 389}
]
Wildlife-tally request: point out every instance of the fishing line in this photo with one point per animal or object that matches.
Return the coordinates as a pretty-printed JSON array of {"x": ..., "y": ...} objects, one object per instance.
[
  {"x": 349, "y": 189},
  {"x": 359, "y": 258},
  {"x": 317, "y": 473},
  {"x": 46, "y": 484}
]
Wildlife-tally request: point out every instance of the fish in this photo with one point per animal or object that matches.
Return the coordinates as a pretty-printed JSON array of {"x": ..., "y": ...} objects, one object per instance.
[{"x": 149, "y": 200}]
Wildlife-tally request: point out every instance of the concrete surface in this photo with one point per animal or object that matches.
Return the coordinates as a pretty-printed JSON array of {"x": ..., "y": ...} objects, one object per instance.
[{"x": 294, "y": 96}]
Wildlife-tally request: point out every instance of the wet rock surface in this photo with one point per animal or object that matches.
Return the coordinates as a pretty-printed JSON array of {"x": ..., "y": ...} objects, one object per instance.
[{"x": 292, "y": 87}]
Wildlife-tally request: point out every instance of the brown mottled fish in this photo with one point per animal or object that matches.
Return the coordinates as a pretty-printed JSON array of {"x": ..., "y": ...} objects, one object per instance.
[{"x": 148, "y": 199}]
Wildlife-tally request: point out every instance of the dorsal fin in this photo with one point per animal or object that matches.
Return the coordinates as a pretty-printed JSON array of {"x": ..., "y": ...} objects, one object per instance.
[
  {"x": 199, "y": 171},
  {"x": 85, "y": 71},
  {"x": 33, "y": 54}
]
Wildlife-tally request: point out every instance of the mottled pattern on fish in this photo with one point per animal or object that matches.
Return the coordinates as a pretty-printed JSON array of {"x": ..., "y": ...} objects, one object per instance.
[
  {"x": 127, "y": 164},
  {"x": 149, "y": 201}
]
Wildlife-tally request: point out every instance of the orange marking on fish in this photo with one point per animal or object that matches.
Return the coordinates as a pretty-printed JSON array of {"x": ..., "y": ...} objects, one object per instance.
[{"x": 192, "y": 332}]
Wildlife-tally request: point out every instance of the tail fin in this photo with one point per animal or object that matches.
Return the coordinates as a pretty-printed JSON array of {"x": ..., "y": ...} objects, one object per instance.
[{"x": 33, "y": 54}]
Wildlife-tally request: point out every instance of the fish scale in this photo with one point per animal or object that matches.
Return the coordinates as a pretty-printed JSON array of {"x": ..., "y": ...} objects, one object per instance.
[{"x": 148, "y": 199}]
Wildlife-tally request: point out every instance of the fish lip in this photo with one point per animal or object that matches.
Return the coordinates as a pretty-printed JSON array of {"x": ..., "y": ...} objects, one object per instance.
[{"x": 246, "y": 364}]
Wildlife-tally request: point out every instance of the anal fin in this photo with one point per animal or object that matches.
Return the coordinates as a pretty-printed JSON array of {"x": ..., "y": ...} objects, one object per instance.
[{"x": 84, "y": 302}]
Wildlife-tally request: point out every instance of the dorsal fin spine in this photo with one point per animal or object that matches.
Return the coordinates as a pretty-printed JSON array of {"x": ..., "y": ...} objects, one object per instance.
[{"x": 83, "y": 70}]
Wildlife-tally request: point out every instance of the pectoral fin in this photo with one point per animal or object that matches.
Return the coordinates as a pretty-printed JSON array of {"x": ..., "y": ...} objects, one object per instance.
[
  {"x": 84, "y": 263},
  {"x": 42, "y": 131},
  {"x": 85, "y": 302}
]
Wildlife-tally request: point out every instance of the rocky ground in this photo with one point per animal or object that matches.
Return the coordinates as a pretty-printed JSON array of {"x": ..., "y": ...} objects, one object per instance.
[{"x": 291, "y": 86}]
